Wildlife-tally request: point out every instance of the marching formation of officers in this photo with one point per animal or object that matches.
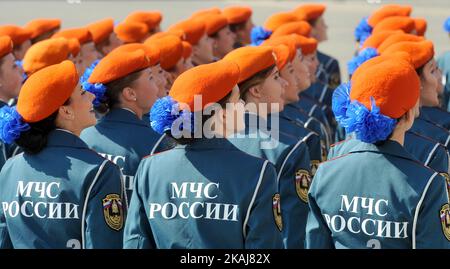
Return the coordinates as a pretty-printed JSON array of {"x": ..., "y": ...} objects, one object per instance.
[{"x": 217, "y": 133}]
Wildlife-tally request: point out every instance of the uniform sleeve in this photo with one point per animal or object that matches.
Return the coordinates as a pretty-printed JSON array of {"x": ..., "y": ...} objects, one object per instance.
[
  {"x": 261, "y": 229},
  {"x": 5, "y": 241},
  {"x": 137, "y": 234},
  {"x": 439, "y": 162},
  {"x": 105, "y": 209},
  {"x": 294, "y": 210},
  {"x": 334, "y": 74},
  {"x": 433, "y": 221},
  {"x": 318, "y": 235}
]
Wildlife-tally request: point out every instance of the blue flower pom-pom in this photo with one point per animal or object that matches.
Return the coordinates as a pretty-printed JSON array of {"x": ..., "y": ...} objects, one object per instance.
[
  {"x": 19, "y": 63},
  {"x": 164, "y": 113},
  {"x": 97, "y": 89},
  {"x": 369, "y": 126},
  {"x": 87, "y": 73},
  {"x": 11, "y": 124},
  {"x": 363, "y": 30},
  {"x": 447, "y": 25},
  {"x": 363, "y": 56},
  {"x": 340, "y": 102},
  {"x": 259, "y": 34}
]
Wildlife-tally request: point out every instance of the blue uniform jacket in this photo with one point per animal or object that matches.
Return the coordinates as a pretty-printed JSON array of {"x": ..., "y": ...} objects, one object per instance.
[
  {"x": 207, "y": 194},
  {"x": 291, "y": 159},
  {"x": 66, "y": 196},
  {"x": 290, "y": 126},
  {"x": 121, "y": 137},
  {"x": 437, "y": 115},
  {"x": 378, "y": 197},
  {"x": 320, "y": 92},
  {"x": 444, "y": 64},
  {"x": 295, "y": 112},
  {"x": 328, "y": 70},
  {"x": 429, "y": 152},
  {"x": 424, "y": 126}
]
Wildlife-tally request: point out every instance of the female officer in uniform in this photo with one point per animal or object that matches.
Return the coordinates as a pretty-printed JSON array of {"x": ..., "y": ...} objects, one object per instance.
[
  {"x": 432, "y": 122},
  {"x": 10, "y": 81},
  {"x": 290, "y": 123},
  {"x": 58, "y": 193},
  {"x": 175, "y": 54},
  {"x": 378, "y": 195},
  {"x": 240, "y": 22},
  {"x": 195, "y": 33},
  {"x": 430, "y": 78},
  {"x": 217, "y": 28},
  {"x": 262, "y": 84},
  {"x": 125, "y": 89},
  {"x": 188, "y": 197},
  {"x": 328, "y": 71}
]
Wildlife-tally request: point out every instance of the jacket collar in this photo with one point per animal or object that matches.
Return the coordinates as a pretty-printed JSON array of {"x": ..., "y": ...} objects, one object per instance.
[
  {"x": 64, "y": 138},
  {"x": 124, "y": 116},
  {"x": 390, "y": 147}
]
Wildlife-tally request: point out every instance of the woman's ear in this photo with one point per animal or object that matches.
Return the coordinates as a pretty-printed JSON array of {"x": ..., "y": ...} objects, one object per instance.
[
  {"x": 66, "y": 113},
  {"x": 129, "y": 94},
  {"x": 195, "y": 51},
  {"x": 255, "y": 91}
]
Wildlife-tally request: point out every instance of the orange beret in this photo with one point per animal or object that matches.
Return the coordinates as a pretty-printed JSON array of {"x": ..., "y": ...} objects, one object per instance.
[
  {"x": 420, "y": 25},
  {"x": 46, "y": 90},
  {"x": 192, "y": 28},
  {"x": 406, "y": 24},
  {"x": 150, "y": 50},
  {"x": 151, "y": 18},
  {"x": 395, "y": 38},
  {"x": 18, "y": 34},
  {"x": 307, "y": 44},
  {"x": 100, "y": 30},
  {"x": 131, "y": 32},
  {"x": 376, "y": 60},
  {"x": 213, "y": 22},
  {"x": 237, "y": 14},
  {"x": 420, "y": 52},
  {"x": 45, "y": 53},
  {"x": 118, "y": 65},
  {"x": 6, "y": 45},
  {"x": 300, "y": 27},
  {"x": 393, "y": 83},
  {"x": 82, "y": 34},
  {"x": 212, "y": 81},
  {"x": 309, "y": 12},
  {"x": 278, "y": 19},
  {"x": 251, "y": 60},
  {"x": 74, "y": 46},
  {"x": 283, "y": 55},
  {"x": 288, "y": 41},
  {"x": 41, "y": 26},
  {"x": 171, "y": 50},
  {"x": 206, "y": 11},
  {"x": 375, "y": 40},
  {"x": 187, "y": 49},
  {"x": 159, "y": 35},
  {"x": 388, "y": 11}
]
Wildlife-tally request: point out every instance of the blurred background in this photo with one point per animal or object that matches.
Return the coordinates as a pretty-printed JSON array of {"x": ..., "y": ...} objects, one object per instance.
[{"x": 341, "y": 15}]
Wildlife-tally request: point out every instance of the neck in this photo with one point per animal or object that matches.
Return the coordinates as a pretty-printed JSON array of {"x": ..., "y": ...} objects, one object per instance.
[
  {"x": 398, "y": 136},
  {"x": 74, "y": 131},
  {"x": 197, "y": 61},
  {"x": 255, "y": 107},
  {"x": 4, "y": 98},
  {"x": 424, "y": 102},
  {"x": 133, "y": 109}
]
